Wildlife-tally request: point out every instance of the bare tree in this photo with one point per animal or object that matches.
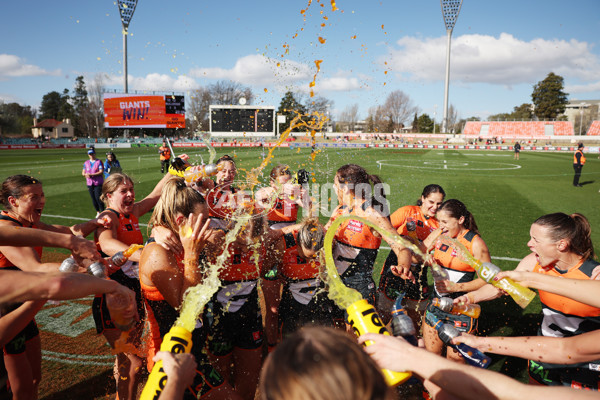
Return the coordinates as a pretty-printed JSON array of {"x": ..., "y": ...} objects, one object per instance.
[
  {"x": 318, "y": 104},
  {"x": 378, "y": 119},
  {"x": 398, "y": 108},
  {"x": 349, "y": 116},
  {"x": 198, "y": 106},
  {"x": 452, "y": 119},
  {"x": 229, "y": 93},
  {"x": 96, "y": 97}
]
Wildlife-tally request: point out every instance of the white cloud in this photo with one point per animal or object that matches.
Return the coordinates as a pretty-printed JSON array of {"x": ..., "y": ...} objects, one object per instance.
[
  {"x": 339, "y": 84},
  {"x": 284, "y": 75},
  {"x": 592, "y": 87},
  {"x": 258, "y": 70},
  {"x": 154, "y": 81},
  {"x": 503, "y": 60},
  {"x": 252, "y": 70},
  {"x": 9, "y": 98},
  {"x": 12, "y": 66}
]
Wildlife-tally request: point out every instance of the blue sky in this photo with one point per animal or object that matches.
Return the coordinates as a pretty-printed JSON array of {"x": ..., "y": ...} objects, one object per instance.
[{"x": 500, "y": 49}]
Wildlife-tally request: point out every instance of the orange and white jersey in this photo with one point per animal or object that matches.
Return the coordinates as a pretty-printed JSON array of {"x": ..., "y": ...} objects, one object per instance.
[
  {"x": 302, "y": 275},
  {"x": 294, "y": 266},
  {"x": 563, "y": 316},
  {"x": 5, "y": 262},
  {"x": 423, "y": 224},
  {"x": 355, "y": 244},
  {"x": 221, "y": 203},
  {"x": 234, "y": 295},
  {"x": 283, "y": 210},
  {"x": 128, "y": 232},
  {"x": 240, "y": 266},
  {"x": 447, "y": 257}
]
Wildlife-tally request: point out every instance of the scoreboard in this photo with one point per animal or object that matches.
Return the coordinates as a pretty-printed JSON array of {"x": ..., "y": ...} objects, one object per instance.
[{"x": 242, "y": 119}]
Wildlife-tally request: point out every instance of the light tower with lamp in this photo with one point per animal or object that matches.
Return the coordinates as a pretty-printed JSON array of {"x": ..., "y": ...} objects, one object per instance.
[
  {"x": 126, "y": 9},
  {"x": 450, "y": 10}
]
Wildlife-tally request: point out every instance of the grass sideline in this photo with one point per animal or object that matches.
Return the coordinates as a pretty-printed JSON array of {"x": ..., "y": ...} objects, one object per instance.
[{"x": 504, "y": 195}]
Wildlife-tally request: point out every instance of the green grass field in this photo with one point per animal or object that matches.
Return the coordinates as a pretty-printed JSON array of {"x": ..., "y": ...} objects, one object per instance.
[{"x": 503, "y": 194}]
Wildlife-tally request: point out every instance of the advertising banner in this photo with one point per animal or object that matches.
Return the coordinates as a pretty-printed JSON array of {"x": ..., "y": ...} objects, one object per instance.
[{"x": 143, "y": 111}]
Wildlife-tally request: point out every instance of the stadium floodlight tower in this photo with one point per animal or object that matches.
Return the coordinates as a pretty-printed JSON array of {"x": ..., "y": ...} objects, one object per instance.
[
  {"x": 126, "y": 9},
  {"x": 450, "y": 10}
]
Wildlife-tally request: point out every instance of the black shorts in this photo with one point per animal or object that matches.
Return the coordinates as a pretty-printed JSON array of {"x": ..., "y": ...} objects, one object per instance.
[
  {"x": 463, "y": 323},
  {"x": 242, "y": 329},
  {"x": 293, "y": 315},
  {"x": 564, "y": 375},
  {"x": 207, "y": 378},
  {"x": 18, "y": 344},
  {"x": 100, "y": 311},
  {"x": 391, "y": 285}
]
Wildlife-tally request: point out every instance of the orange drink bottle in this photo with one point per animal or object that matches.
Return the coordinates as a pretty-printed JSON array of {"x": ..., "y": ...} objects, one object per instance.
[
  {"x": 198, "y": 172},
  {"x": 446, "y": 304}
]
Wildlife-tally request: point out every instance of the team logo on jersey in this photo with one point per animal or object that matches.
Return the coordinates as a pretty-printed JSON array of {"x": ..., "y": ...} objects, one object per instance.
[
  {"x": 445, "y": 247},
  {"x": 355, "y": 226}
]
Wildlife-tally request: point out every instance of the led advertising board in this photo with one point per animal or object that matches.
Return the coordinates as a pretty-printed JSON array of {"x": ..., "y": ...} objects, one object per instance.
[{"x": 143, "y": 111}]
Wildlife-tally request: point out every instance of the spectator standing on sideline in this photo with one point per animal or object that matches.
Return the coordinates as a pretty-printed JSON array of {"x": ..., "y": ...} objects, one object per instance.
[
  {"x": 93, "y": 172},
  {"x": 165, "y": 156},
  {"x": 578, "y": 163},
  {"x": 517, "y": 148},
  {"x": 111, "y": 165}
]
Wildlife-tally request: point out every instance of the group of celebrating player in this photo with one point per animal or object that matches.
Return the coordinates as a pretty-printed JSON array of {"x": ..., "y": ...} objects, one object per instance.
[{"x": 271, "y": 275}]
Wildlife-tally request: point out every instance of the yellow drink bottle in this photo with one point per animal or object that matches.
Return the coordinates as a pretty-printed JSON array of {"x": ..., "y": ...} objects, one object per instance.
[
  {"x": 520, "y": 294},
  {"x": 364, "y": 319},
  {"x": 177, "y": 340}
]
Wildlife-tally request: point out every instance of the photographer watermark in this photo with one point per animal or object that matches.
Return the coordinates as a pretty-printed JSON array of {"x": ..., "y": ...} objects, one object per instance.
[{"x": 315, "y": 199}]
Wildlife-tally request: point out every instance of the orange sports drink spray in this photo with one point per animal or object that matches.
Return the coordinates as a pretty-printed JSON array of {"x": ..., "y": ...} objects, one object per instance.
[{"x": 361, "y": 315}]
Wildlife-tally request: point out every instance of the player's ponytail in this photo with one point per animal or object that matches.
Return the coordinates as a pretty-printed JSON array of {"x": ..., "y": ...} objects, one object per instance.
[{"x": 575, "y": 228}]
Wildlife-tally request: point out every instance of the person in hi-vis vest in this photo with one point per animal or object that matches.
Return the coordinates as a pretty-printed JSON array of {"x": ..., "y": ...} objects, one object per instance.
[
  {"x": 165, "y": 156},
  {"x": 578, "y": 163}
]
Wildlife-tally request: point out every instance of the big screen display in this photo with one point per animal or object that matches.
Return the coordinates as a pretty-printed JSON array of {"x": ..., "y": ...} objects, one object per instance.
[
  {"x": 242, "y": 119},
  {"x": 143, "y": 111}
]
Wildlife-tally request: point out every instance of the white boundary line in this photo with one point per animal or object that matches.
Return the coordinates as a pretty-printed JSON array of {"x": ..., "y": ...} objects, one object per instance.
[
  {"x": 77, "y": 362},
  {"x": 493, "y": 258},
  {"x": 82, "y": 356},
  {"x": 451, "y": 165},
  {"x": 75, "y": 218}
]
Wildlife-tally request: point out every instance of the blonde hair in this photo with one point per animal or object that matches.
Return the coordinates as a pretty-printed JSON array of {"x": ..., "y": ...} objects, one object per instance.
[
  {"x": 320, "y": 363},
  {"x": 280, "y": 170},
  {"x": 175, "y": 198},
  {"x": 112, "y": 183},
  {"x": 311, "y": 234}
]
